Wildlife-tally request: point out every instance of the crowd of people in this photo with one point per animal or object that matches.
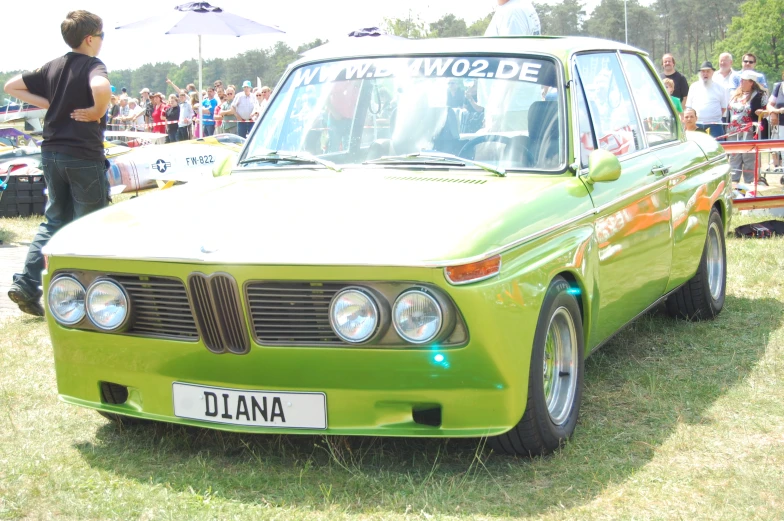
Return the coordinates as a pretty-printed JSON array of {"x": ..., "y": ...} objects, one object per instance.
[
  {"x": 730, "y": 105},
  {"x": 223, "y": 110}
]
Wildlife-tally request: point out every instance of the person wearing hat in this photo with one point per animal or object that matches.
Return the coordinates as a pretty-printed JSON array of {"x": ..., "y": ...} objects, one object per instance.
[
  {"x": 146, "y": 104},
  {"x": 747, "y": 106},
  {"x": 135, "y": 115},
  {"x": 243, "y": 106},
  {"x": 709, "y": 99}
]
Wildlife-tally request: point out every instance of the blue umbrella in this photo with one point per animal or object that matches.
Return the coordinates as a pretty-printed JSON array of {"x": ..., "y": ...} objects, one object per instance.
[{"x": 201, "y": 18}]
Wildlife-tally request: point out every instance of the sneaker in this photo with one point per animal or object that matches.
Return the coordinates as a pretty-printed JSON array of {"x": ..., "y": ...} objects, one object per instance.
[{"x": 28, "y": 304}]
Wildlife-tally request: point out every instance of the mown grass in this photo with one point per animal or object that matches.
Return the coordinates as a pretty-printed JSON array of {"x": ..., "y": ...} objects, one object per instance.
[{"x": 679, "y": 421}]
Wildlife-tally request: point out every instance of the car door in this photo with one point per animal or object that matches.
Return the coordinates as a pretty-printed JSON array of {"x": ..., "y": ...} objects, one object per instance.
[
  {"x": 683, "y": 165},
  {"x": 633, "y": 227}
]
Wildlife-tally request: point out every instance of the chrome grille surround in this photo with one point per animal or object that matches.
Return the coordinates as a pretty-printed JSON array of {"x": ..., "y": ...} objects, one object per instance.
[{"x": 218, "y": 312}]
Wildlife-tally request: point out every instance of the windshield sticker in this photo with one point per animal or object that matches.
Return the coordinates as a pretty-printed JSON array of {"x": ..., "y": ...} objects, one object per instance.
[{"x": 446, "y": 67}]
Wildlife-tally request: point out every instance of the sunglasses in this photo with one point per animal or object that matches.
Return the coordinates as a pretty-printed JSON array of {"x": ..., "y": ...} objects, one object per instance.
[
  {"x": 99, "y": 35},
  {"x": 258, "y": 95},
  {"x": 749, "y": 61}
]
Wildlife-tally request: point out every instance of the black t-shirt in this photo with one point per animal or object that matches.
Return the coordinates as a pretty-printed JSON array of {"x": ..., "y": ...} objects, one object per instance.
[
  {"x": 681, "y": 84},
  {"x": 172, "y": 114},
  {"x": 65, "y": 82}
]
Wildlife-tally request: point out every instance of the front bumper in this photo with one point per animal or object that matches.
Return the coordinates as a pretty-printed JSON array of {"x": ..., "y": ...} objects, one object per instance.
[{"x": 479, "y": 388}]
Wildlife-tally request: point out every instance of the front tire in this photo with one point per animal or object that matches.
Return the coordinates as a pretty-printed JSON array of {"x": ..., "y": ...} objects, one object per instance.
[
  {"x": 702, "y": 297},
  {"x": 555, "y": 378}
]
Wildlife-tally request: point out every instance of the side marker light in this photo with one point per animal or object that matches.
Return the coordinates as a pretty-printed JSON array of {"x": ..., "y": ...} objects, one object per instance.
[{"x": 473, "y": 272}]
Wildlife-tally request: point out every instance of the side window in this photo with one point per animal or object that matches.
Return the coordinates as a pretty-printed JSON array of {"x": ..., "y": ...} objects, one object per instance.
[
  {"x": 658, "y": 120},
  {"x": 609, "y": 103}
]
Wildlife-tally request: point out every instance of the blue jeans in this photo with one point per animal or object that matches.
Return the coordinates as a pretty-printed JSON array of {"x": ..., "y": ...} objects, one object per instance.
[
  {"x": 183, "y": 134},
  {"x": 209, "y": 130},
  {"x": 243, "y": 127},
  {"x": 76, "y": 188},
  {"x": 714, "y": 129}
]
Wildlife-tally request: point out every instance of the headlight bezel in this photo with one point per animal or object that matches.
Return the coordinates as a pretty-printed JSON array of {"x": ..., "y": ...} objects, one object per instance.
[
  {"x": 55, "y": 315},
  {"x": 381, "y": 312},
  {"x": 123, "y": 325},
  {"x": 446, "y": 318}
]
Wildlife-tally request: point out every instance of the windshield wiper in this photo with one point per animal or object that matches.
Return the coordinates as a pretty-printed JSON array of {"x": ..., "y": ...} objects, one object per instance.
[
  {"x": 441, "y": 156},
  {"x": 274, "y": 157}
]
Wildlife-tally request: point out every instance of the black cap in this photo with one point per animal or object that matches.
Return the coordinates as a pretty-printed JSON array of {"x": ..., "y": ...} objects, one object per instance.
[{"x": 707, "y": 65}]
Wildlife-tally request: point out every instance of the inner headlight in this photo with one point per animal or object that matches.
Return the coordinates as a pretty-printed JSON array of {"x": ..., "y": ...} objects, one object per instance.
[
  {"x": 353, "y": 315},
  {"x": 107, "y": 305},
  {"x": 66, "y": 300},
  {"x": 417, "y": 317}
]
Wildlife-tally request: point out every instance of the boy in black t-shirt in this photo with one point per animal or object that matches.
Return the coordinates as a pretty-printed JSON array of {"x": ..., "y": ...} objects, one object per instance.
[{"x": 75, "y": 90}]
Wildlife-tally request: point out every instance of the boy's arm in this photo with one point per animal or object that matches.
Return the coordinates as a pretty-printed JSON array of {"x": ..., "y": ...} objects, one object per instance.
[
  {"x": 102, "y": 93},
  {"x": 17, "y": 88}
]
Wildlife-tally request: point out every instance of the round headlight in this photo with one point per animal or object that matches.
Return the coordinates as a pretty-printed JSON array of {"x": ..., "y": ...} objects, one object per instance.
[
  {"x": 66, "y": 300},
  {"x": 107, "y": 305},
  {"x": 417, "y": 316},
  {"x": 353, "y": 315}
]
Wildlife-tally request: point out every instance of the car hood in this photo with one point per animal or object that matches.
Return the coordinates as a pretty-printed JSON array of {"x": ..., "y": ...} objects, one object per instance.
[{"x": 316, "y": 217}]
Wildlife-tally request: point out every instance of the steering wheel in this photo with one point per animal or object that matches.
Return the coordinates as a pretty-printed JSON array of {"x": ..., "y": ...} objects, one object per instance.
[{"x": 469, "y": 149}]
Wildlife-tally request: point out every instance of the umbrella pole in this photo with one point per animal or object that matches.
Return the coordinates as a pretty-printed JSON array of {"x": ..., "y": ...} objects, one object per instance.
[{"x": 201, "y": 112}]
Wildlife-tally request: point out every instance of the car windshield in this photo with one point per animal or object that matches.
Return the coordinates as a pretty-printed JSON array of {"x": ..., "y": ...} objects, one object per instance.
[{"x": 506, "y": 112}]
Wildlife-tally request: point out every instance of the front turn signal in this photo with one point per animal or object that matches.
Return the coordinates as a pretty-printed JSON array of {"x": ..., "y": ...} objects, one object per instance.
[{"x": 473, "y": 272}]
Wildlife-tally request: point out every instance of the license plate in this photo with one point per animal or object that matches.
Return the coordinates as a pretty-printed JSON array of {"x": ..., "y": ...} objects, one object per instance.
[{"x": 251, "y": 408}]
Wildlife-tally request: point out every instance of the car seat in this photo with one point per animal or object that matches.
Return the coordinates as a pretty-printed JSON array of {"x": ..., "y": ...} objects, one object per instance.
[{"x": 544, "y": 133}]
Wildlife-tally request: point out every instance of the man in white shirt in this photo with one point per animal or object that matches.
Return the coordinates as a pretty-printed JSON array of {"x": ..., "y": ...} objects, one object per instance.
[
  {"x": 710, "y": 100},
  {"x": 135, "y": 115},
  {"x": 726, "y": 76},
  {"x": 243, "y": 105},
  {"x": 514, "y": 18}
]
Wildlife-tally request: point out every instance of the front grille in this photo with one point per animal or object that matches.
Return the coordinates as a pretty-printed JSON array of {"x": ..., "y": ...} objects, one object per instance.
[
  {"x": 292, "y": 313},
  {"x": 219, "y": 316},
  {"x": 160, "y": 307}
]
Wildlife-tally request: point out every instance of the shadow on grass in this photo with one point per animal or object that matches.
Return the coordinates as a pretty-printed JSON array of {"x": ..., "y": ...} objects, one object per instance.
[{"x": 656, "y": 374}]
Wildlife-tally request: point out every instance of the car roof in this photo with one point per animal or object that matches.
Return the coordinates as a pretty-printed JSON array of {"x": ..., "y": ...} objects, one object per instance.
[{"x": 560, "y": 46}]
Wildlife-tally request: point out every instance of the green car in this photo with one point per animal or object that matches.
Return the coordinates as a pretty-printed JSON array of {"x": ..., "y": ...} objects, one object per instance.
[{"x": 420, "y": 238}]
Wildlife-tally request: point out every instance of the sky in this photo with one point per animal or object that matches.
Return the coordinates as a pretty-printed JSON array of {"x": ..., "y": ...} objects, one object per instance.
[{"x": 37, "y": 32}]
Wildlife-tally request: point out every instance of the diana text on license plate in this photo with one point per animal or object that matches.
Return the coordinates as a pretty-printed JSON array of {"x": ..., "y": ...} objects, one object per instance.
[{"x": 252, "y": 408}]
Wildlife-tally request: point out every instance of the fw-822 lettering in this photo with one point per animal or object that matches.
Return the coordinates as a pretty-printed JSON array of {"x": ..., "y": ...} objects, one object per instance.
[{"x": 200, "y": 160}]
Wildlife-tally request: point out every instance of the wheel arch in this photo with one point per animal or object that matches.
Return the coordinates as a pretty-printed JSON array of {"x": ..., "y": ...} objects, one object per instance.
[
  {"x": 578, "y": 289},
  {"x": 720, "y": 206}
]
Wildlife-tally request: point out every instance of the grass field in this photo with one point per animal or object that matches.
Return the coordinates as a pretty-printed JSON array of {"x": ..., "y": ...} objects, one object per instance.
[{"x": 680, "y": 421}]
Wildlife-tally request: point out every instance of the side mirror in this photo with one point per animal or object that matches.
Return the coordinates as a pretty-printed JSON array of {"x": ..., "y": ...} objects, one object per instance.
[{"x": 603, "y": 166}]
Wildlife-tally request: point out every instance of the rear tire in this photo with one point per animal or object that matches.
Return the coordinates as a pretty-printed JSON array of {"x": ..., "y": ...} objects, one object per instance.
[
  {"x": 702, "y": 297},
  {"x": 555, "y": 378}
]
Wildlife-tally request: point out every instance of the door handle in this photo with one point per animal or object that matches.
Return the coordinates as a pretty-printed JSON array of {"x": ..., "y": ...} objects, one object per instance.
[{"x": 664, "y": 170}]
